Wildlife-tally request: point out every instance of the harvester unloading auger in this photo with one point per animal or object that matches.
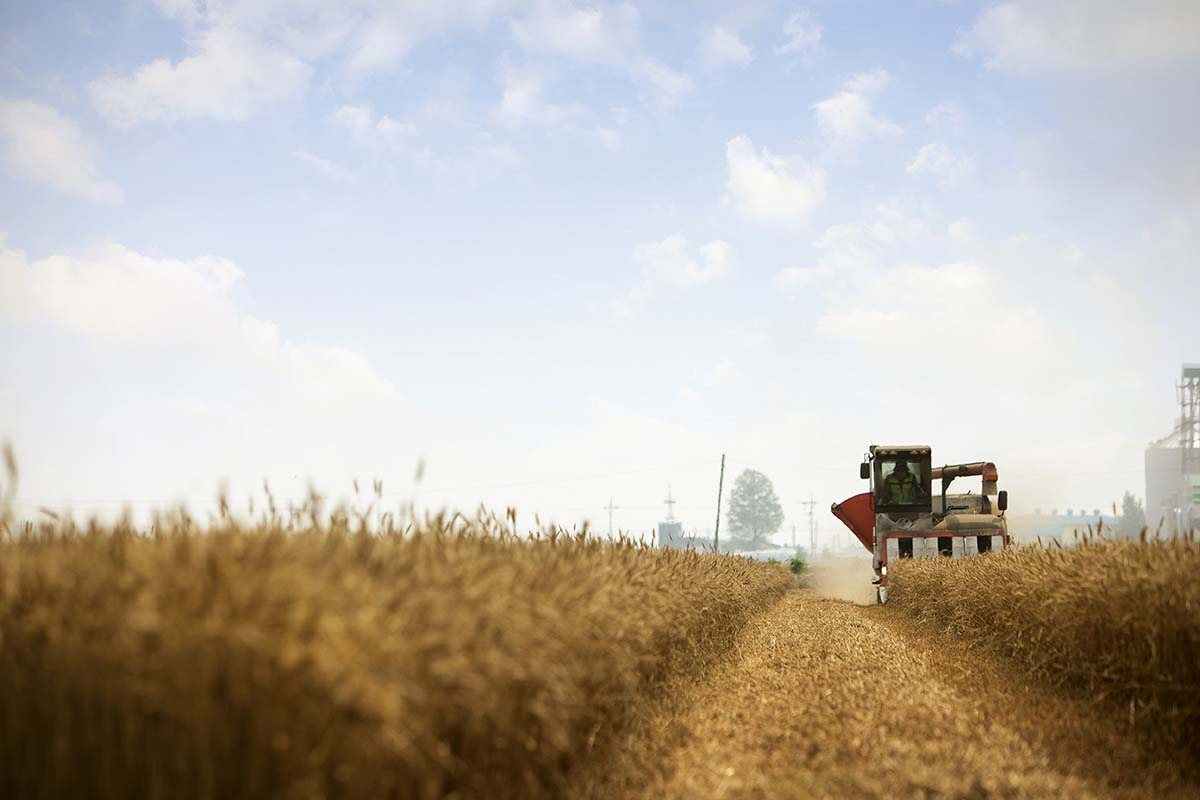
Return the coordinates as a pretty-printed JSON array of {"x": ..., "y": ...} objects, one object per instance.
[{"x": 902, "y": 518}]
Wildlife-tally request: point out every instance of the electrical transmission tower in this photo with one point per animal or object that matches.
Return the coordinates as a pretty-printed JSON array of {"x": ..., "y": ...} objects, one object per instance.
[
  {"x": 812, "y": 527},
  {"x": 610, "y": 508}
]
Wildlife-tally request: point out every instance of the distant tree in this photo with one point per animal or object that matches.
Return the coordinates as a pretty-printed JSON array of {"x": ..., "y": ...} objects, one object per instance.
[
  {"x": 754, "y": 510},
  {"x": 1133, "y": 517}
]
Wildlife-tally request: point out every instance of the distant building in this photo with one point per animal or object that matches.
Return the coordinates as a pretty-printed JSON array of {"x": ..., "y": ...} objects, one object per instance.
[
  {"x": 670, "y": 530},
  {"x": 670, "y": 535},
  {"x": 1062, "y": 528},
  {"x": 1173, "y": 464},
  {"x": 780, "y": 554}
]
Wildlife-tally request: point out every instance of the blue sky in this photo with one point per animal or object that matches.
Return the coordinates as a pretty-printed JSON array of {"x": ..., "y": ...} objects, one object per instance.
[{"x": 561, "y": 251}]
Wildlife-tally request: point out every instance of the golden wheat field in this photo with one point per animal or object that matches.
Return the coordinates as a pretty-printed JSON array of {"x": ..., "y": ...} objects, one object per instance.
[
  {"x": 314, "y": 659},
  {"x": 314, "y": 654},
  {"x": 1117, "y": 621}
]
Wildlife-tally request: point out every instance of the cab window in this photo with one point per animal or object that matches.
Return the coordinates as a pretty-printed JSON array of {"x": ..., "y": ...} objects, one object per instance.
[{"x": 902, "y": 482}]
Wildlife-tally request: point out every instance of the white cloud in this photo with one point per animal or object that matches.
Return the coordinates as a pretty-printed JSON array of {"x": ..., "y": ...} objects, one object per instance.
[
  {"x": 386, "y": 36},
  {"x": 607, "y": 35},
  {"x": 775, "y": 190},
  {"x": 179, "y": 9},
  {"x": 919, "y": 303},
  {"x": 722, "y": 48},
  {"x": 322, "y": 165},
  {"x": 392, "y": 128},
  {"x": 609, "y": 138},
  {"x": 43, "y": 146},
  {"x": 362, "y": 123},
  {"x": 603, "y": 33},
  {"x": 156, "y": 303},
  {"x": 522, "y": 96},
  {"x": 802, "y": 277},
  {"x": 488, "y": 150},
  {"x": 229, "y": 75},
  {"x": 661, "y": 84},
  {"x": 202, "y": 384},
  {"x": 943, "y": 163},
  {"x": 847, "y": 120},
  {"x": 946, "y": 116},
  {"x": 803, "y": 36},
  {"x": 243, "y": 56},
  {"x": 383, "y": 140},
  {"x": 898, "y": 278},
  {"x": 353, "y": 117},
  {"x": 373, "y": 36},
  {"x": 869, "y": 83},
  {"x": 611, "y": 133},
  {"x": 1084, "y": 35},
  {"x": 142, "y": 297},
  {"x": 669, "y": 264},
  {"x": 964, "y": 326},
  {"x": 849, "y": 251},
  {"x": 330, "y": 378},
  {"x": 927, "y": 309},
  {"x": 892, "y": 281},
  {"x": 523, "y": 99}
]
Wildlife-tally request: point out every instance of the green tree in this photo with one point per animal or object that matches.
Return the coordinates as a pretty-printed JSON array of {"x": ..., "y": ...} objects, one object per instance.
[
  {"x": 1133, "y": 517},
  {"x": 754, "y": 510}
]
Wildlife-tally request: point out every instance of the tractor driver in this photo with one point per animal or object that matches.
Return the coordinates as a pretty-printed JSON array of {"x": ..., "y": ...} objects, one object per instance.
[{"x": 901, "y": 488}]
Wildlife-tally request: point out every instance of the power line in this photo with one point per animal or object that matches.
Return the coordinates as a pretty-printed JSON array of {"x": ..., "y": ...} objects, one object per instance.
[
  {"x": 156, "y": 502},
  {"x": 548, "y": 481}
]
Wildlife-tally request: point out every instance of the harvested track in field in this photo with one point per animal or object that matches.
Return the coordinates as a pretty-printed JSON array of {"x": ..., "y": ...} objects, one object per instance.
[{"x": 823, "y": 698}]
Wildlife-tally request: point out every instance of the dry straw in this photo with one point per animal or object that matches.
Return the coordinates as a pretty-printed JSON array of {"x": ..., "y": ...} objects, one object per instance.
[
  {"x": 1117, "y": 621},
  {"x": 307, "y": 656}
]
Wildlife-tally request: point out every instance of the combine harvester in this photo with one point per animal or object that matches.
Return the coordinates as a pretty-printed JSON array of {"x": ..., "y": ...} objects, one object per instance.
[{"x": 901, "y": 518}]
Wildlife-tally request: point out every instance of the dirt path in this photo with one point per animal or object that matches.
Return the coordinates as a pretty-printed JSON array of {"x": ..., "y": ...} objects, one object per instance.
[{"x": 824, "y": 698}]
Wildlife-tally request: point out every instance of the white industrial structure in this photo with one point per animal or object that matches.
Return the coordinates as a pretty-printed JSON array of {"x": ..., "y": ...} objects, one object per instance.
[{"x": 1173, "y": 464}]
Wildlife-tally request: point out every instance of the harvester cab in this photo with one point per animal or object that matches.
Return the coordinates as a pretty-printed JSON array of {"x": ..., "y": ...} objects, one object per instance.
[{"x": 909, "y": 512}]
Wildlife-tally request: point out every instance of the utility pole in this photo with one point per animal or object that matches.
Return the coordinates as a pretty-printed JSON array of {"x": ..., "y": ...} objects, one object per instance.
[
  {"x": 611, "y": 508},
  {"x": 720, "y": 489},
  {"x": 812, "y": 522},
  {"x": 812, "y": 527},
  {"x": 668, "y": 526}
]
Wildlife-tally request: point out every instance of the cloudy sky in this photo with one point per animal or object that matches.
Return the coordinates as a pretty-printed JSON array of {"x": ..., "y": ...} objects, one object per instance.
[{"x": 565, "y": 251}]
